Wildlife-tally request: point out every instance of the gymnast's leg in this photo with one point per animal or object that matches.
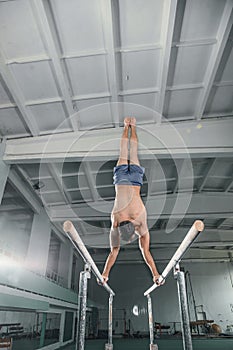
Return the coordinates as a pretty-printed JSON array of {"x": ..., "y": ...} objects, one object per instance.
[
  {"x": 133, "y": 143},
  {"x": 123, "y": 158}
]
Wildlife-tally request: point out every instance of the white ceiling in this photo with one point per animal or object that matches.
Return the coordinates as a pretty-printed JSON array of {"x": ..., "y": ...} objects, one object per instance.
[{"x": 70, "y": 70}]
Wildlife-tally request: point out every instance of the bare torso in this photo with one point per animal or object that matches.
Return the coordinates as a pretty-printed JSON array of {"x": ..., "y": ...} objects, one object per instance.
[{"x": 128, "y": 205}]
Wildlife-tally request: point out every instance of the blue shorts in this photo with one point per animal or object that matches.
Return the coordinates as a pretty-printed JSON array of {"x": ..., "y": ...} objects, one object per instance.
[{"x": 128, "y": 174}]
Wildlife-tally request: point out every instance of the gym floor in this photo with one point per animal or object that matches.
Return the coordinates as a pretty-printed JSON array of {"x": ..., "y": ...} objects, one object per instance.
[
  {"x": 163, "y": 344},
  {"x": 30, "y": 344},
  {"x": 172, "y": 343}
]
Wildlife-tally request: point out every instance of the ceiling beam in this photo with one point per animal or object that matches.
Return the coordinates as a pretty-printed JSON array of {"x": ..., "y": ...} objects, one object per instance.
[
  {"x": 7, "y": 105},
  {"x": 184, "y": 87},
  {"x": 196, "y": 245},
  {"x": 222, "y": 37},
  {"x": 26, "y": 115},
  {"x": 222, "y": 223},
  {"x": 27, "y": 194},
  {"x": 43, "y": 57},
  {"x": 228, "y": 187},
  {"x": 91, "y": 96},
  {"x": 12, "y": 207},
  {"x": 101, "y": 52},
  {"x": 229, "y": 184},
  {"x": 164, "y": 260},
  {"x": 194, "y": 42},
  {"x": 182, "y": 140},
  {"x": 91, "y": 183},
  {"x": 161, "y": 240},
  {"x": 4, "y": 171},
  {"x": 217, "y": 205},
  {"x": 163, "y": 254},
  {"x": 218, "y": 115},
  {"x": 185, "y": 178},
  {"x": 206, "y": 173},
  {"x": 48, "y": 100},
  {"x": 109, "y": 32},
  {"x": 59, "y": 182},
  {"x": 44, "y": 19},
  {"x": 132, "y": 92},
  {"x": 139, "y": 48},
  {"x": 167, "y": 28}
]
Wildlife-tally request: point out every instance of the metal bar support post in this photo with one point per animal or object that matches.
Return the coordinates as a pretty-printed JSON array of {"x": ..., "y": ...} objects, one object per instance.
[
  {"x": 82, "y": 307},
  {"x": 109, "y": 345},
  {"x": 151, "y": 323},
  {"x": 183, "y": 304}
]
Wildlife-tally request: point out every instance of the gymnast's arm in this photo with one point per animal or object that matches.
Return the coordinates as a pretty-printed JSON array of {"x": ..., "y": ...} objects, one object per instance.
[
  {"x": 144, "y": 244},
  {"x": 115, "y": 248}
]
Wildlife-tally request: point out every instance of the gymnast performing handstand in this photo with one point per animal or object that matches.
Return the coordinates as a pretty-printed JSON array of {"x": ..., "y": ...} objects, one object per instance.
[{"x": 129, "y": 217}]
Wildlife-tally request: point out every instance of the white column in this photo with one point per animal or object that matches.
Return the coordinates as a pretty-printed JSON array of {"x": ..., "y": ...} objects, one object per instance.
[
  {"x": 62, "y": 327},
  {"x": 38, "y": 249},
  {"x": 71, "y": 257},
  {"x": 65, "y": 263},
  {"x": 230, "y": 268},
  {"x": 4, "y": 171}
]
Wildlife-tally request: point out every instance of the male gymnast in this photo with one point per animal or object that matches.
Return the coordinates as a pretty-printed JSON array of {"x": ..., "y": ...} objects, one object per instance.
[{"x": 129, "y": 217}]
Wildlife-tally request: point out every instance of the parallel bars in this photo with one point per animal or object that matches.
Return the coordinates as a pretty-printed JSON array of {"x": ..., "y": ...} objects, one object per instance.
[
  {"x": 90, "y": 265},
  {"x": 192, "y": 234}
]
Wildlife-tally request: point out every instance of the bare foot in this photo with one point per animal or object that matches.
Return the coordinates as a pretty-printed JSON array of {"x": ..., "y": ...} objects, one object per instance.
[
  {"x": 127, "y": 122},
  {"x": 133, "y": 121}
]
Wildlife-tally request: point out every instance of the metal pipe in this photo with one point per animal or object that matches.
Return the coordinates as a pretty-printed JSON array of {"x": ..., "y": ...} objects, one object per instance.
[
  {"x": 150, "y": 316},
  {"x": 194, "y": 301},
  {"x": 184, "y": 315},
  {"x": 82, "y": 303},
  {"x": 78, "y": 311},
  {"x": 151, "y": 323},
  {"x": 109, "y": 345},
  {"x": 194, "y": 231},
  {"x": 73, "y": 235}
]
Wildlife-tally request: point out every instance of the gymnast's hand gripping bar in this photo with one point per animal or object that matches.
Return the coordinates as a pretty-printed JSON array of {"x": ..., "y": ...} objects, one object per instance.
[
  {"x": 74, "y": 237},
  {"x": 194, "y": 231}
]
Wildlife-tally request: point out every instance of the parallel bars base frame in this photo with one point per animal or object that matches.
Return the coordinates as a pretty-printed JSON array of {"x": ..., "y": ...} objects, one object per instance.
[
  {"x": 154, "y": 347},
  {"x": 194, "y": 231},
  {"x": 90, "y": 266}
]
